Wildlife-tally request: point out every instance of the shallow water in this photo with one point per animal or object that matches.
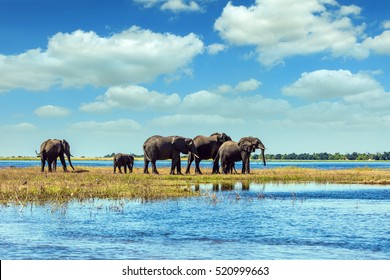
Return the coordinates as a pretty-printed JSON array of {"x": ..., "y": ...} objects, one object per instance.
[
  {"x": 208, "y": 164},
  {"x": 270, "y": 221}
]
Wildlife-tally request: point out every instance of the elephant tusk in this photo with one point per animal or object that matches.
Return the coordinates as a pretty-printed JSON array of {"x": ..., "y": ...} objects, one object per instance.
[{"x": 195, "y": 155}]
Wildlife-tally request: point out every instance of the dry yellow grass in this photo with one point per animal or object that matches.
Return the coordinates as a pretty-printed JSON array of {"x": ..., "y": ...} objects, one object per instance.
[{"x": 24, "y": 185}]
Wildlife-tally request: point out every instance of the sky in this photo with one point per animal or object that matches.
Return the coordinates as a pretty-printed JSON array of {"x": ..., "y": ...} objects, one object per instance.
[{"x": 304, "y": 76}]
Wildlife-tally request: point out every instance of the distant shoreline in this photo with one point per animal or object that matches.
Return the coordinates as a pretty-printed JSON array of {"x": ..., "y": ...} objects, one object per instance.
[{"x": 23, "y": 158}]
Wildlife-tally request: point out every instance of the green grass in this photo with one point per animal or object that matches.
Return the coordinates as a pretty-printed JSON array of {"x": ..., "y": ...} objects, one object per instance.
[{"x": 29, "y": 185}]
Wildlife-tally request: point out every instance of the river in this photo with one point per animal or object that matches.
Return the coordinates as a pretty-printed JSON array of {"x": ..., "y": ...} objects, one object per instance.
[
  {"x": 208, "y": 164},
  {"x": 269, "y": 221}
]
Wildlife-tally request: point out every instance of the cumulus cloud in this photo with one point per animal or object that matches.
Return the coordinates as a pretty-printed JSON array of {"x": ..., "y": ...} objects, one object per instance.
[
  {"x": 196, "y": 119},
  {"x": 132, "y": 97},
  {"x": 21, "y": 127},
  {"x": 386, "y": 24},
  {"x": 255, "y": 106},
  {"x": 308, "y": 27},
  {"x": 215, "y": 48},
  {"x": 49, "y": 111},
  {"x": 379, "y": 44},
  {"x": 121, "y": 125},
  {"x": 338, "y": 99},
  {"x": 244, "y": 86},
  {"x": 327, "y": 84},
  {"x": 85, "y": 58},
  {"x": 175, "y": 6}
]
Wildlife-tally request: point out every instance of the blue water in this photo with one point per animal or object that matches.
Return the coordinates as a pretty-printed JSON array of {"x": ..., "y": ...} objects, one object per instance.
[
  {"x": 270, "y": 221},
  {"x": 208, "y": 164}
]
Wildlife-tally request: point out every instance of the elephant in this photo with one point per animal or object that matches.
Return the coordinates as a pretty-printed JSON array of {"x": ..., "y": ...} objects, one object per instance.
[
  {"x": 125, "y": 160},
  {"x": 207, "y": 148},
  {"x": 159, "y": 148},
  {"x": 231, "y": 151},
  {"x": 50, "y": 150}
]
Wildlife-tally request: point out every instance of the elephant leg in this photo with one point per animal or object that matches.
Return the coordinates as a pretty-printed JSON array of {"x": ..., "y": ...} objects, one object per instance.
[
  {"x": 216, "y": 167},
  {"x": 178, "y": 166},
  {"x": 173, "y": 165},
  {"x": 43, "y": 161},
  {"x": 154, "y": 167},
  {"x": 224, "y": 167},
  {"x": 197, "y": 169},
  {"x": 125, "y": 167},
  {"x": 189, "y": 162},
  {"x": 49, "y": 163},
  {"x": 245, "y": 167},
  {"x": 146, "y": 164},
  {"x": 63, "y": 162},
  {"x": 114, "y": 168}
]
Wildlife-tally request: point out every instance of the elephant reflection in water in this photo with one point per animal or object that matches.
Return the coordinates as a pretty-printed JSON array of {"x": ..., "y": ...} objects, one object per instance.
[{"x": 224, "y": 186}]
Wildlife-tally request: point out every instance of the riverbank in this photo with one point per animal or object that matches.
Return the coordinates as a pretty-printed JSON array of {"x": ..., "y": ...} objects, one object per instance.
[{"x": 29, "y": 185}]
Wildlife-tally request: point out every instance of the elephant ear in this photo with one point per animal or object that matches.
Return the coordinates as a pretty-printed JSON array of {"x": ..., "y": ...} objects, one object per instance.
[
  {"x": 221, "y": 138},
  {"x": 189, "y": 142},
  {"x": 245, "y": 145},
  {"x": 175, "y": 139}
]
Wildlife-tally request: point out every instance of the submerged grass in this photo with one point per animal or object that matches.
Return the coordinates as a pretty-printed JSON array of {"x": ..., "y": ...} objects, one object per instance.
[{"x": 29, "y": 185}]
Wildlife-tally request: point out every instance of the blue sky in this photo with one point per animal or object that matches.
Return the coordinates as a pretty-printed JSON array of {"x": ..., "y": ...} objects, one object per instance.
[{"x": 302, "y": 75}]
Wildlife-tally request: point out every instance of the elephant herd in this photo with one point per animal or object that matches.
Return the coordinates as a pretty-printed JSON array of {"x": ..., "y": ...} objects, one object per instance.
[{"x": 218, "y": 146}]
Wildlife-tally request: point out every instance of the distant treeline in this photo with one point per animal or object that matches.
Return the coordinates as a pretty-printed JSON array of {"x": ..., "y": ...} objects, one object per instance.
[
  {"x": 328, "y": 156},
  {"x": 313, "y": 156}
]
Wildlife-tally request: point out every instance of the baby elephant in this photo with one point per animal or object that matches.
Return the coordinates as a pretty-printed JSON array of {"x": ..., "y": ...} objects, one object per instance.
[{"x": 123, "y": 160}]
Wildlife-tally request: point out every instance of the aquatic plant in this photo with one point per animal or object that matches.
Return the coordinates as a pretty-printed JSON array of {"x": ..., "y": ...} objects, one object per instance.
[{"x": 25, "y": 185}]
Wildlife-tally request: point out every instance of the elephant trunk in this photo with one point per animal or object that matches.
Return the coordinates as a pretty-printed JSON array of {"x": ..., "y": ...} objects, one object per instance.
[
  {"x": 263, "y": 156},
  {"x": 70, "y": 162}
]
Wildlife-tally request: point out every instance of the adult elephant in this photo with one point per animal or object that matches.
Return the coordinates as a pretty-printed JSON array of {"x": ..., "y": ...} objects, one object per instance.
[
  {"x": 231, "y": 152},
  {"x": 159, "y": 148},
  {"x": 51, "y": 149},
  {"x": 207, "y": 147},
  {"x": 125, "y": 160}
]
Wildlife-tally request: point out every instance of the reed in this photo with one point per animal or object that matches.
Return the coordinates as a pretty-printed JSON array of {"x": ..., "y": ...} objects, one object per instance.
[{"x": 29, "y": 185}]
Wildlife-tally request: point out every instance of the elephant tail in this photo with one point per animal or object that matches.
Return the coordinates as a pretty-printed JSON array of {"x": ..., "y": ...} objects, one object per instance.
[{"x": 146, "y": 156}]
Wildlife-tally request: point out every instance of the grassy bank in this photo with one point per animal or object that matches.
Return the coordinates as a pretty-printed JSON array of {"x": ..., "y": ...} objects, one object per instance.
[{"x": 24, "y": 185}]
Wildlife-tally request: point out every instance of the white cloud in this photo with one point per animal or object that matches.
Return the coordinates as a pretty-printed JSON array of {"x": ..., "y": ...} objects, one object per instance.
[
  {"x": 180, "y": 6},
  {"x": 327, "y": 84},
  {"x": 344, "y": 100},
  {"x": 386, "y": 24},
  {"x": 175, "y": 6},
  {"x": 254, "y": 106},
  {"x": 132, "y": 97},
  {"x": 192, "y": 120},
  {"x": 49, "y": 111},
  {"x": 244, "y": 86},
  {"x": 84, "y": 58},
  {"x": 121, "y": 125},
  {"x": 379, "y": 44},
  {"x": 21, "y": 127},
  {"x": 215, "y": 48},
  {"x": 295, "y": 27},
  {"x": 350, "y": 10}
]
